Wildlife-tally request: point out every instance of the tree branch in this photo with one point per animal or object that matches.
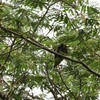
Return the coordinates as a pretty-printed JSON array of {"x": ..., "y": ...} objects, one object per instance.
[
  {"x": 36, "y": 43},
  {"x": 11, "y": 47},
  {"x": 66, "y": 85},
  {"x": 51, "y": 86},
  {"x": 43, "y": 17}
]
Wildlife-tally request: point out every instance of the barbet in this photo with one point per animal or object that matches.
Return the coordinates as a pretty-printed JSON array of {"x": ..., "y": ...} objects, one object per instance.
[{"x": 62, "y": 49}]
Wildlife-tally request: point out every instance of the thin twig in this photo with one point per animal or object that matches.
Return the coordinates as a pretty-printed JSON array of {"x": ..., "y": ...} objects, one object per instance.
[
  {"x": 51, "y": 87},
  {"x": 11, "y": 47},
  {"x": 42, "y": 18},
  {"x": 66, "y": 85}
]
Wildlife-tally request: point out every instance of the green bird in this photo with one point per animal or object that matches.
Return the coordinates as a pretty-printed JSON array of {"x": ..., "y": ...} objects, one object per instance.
[{"x": 62, "y": 49}]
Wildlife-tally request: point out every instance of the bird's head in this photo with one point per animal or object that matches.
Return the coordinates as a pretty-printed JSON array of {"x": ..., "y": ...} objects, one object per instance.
[{"x": 62, "y": 47}]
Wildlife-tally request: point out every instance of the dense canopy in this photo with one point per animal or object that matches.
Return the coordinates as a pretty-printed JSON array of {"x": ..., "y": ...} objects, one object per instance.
[{"x": 30, "y": 34}]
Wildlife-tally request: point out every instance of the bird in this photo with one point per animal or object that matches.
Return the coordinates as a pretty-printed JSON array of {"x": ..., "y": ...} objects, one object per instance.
[{"x": 62, "y": 49}]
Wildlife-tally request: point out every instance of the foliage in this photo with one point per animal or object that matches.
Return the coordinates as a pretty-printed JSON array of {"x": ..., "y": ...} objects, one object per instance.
[{"x": 47, "y": 23}]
